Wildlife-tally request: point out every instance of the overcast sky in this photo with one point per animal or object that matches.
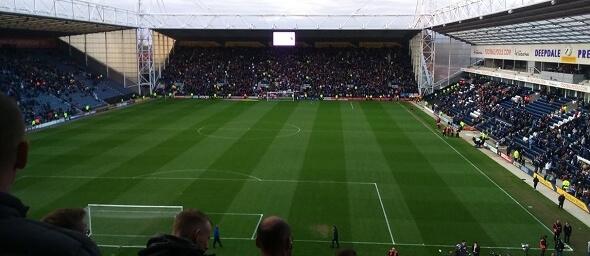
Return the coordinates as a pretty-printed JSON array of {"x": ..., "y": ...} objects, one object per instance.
[{"x": 282, "y": 7}]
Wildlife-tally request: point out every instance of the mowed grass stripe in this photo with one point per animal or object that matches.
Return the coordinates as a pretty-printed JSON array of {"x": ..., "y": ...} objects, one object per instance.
[
  {"x": 47, "y": 136},
  {"x": 365, "y": 161},
  {"x": 148, "y": 156},
  {"x": 82, "y": 134},
  {"x": 282, "y": 160},
  {"x": 403, "y": 226},
  {"x": 88, "y": 168},
  {"x": 81, "y": 156},
  {"x": 504, "y": 221},
  {"x": 496, "y": 211},
  {"x": 254, "y": 131},
  {"x": 285, "y": 156},
  {"x": 258, "y": 129},
  {"x": 172, "y": 143},
  {"x": 434, "y": 206},
  {"x": 317, "y": 208}
]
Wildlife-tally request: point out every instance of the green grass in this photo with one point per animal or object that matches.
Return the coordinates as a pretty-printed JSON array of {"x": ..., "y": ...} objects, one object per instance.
[{"x": 316, "y": 164}]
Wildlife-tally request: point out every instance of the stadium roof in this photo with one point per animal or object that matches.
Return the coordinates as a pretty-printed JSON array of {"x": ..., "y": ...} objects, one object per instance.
[
  {"x": 20, "y": 25},
  {"x": 272, "y": 14},
  {"x": 557, "y": 21},
  {"x": 265, "y": 7},
  {"x": 401, "y": 36}
]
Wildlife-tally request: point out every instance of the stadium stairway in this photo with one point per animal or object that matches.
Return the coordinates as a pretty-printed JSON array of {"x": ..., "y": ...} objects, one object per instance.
[
  {"x": 87, "y": 100},
  {"x": 53, "y": 101}
]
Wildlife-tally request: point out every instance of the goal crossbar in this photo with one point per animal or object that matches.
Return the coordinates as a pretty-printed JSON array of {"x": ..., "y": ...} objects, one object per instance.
[
  {"x": 135, "y": 206},
  {"x": 280, "y": 96},
  {"x": 111, "y": 218}
]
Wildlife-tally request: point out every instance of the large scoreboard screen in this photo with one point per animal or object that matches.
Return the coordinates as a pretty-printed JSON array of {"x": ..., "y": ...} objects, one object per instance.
[{"x": 283, "y": 38}]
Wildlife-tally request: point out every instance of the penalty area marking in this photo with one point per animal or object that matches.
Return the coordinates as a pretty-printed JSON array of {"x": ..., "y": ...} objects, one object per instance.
[
  {"x": 257, "y": 180},
  {"x": 384, "y": 214},
  {"x": 351, "y": 106},
  {"x": 256, "y": 227},
  {"x": 243, "y": 214}
]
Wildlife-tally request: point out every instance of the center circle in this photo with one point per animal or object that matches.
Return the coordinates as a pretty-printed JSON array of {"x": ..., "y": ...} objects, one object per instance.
[{"x": 249, "y": 130}]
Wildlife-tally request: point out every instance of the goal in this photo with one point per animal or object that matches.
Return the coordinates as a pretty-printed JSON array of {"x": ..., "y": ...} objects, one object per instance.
[
  {"x": 128, "y": 225},
  {"x": 280, "y": 96}
]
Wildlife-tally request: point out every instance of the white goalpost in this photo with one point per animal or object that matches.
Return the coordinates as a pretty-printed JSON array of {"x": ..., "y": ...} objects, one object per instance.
[
  {"x": 128, "y": 225},
  {"x": 280, "y": 96}
]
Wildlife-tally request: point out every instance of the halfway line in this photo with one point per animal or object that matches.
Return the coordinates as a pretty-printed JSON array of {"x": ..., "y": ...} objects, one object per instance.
[{"x": 195, "y": 178}]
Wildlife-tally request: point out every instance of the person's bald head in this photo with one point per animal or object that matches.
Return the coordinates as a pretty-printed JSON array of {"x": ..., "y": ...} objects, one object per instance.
[
  {"x": 13, "y": 148},
  {"x": 194, "y": 226},
  {"x": 274, "y": 237}
]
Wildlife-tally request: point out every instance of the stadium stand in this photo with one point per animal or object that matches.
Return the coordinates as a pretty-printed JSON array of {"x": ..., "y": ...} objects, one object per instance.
[
  {"x": 47, "y": 85},
  {"x": 541, "y": 129},
  {"x": 354, "y": 72}
]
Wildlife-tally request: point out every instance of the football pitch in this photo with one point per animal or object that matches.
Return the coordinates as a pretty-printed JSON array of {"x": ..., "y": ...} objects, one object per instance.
[{"x": 376, "y": 170}]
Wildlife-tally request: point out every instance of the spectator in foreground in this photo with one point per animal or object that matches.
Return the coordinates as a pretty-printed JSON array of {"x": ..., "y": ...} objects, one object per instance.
[
  {"x": 346, "y": 252},
  {"x": 393, "y": 252},
  {"x": 190, "y": 236},
  {"x": 68, "y": 218},
  {"x": 19, "y": 236},
  {"x": 273, "y": 237}
]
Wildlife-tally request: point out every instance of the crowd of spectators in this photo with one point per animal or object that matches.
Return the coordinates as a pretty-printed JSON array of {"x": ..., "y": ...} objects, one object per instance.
[
  {"x": 24, "y": 76},
  {"x": 352, "y": 72},
  {"x": 564, "y": 144},
  {"x": 559, "y": 145},
  {"x": 480, "y": 96}
]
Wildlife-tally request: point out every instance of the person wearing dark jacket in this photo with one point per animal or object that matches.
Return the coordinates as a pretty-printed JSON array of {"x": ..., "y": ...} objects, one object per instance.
[
  {"x": 18, "y": 235},
  {"x": 535, "y": 182},
  {"x": 335, "y": 237},
  {"x": 216, "y": 237},
  {"x": 567, "y": 232},
  {"x": 191, "y": 232},
  {"x": 560, "y": 200},
  {"x": 559, "y": 246},
  {"x": 164, "y": 244},
  {"x": 475, "y": 249}
]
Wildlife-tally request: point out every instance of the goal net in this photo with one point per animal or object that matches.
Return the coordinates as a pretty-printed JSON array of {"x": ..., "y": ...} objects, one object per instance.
[
  {"x": 128, "y": 225},
  {"x": 280, "y": 96}
]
